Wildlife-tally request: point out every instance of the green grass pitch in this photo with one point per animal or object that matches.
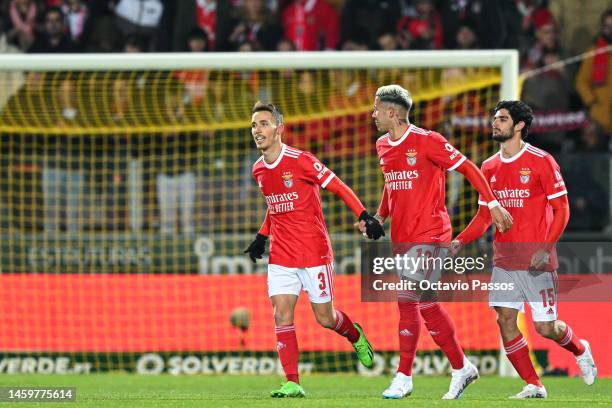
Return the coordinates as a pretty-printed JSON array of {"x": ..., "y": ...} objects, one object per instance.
[{"x": 128, "y": 390}]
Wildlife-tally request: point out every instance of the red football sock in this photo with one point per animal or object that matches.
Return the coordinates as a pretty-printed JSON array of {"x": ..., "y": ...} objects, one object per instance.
[
  {"x": 409, "y": 330},
  {"x": 442, "y": 330},
  {"x": 518, "y": 354},
  {"x": 287, "y": 348},
  {"x": 570, "y": 342},
  {"x": 344, "y": 327}
]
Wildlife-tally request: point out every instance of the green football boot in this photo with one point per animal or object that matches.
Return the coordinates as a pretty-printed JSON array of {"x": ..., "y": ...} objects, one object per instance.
[
  {"x": 289, "y": 390},
  {"x": 363, "y": 348}
]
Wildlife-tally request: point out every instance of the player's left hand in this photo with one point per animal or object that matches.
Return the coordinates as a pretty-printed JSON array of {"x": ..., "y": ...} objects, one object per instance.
[
  {"x": 454, "y": 248},
  {"x": 373, "y": 229},
  {"x": 257, "y": 248},
  {"x": 539, "y": 259},
  {"x": 502, "y": 218}
]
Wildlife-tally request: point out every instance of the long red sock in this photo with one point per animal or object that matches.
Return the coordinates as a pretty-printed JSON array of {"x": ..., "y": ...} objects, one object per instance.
[
  {"x": 442, "y": 330},
  {"x": 409, "y": 331},
  {"x": 345, "y": 328},
  {"x": 570, "y": 342},
  {"x": 287, "y": 348},
  {"x": 518, "y": 354}
]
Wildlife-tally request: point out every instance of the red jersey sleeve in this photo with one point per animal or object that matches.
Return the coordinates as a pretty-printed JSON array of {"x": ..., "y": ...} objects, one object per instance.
[
  {"x": 481, "y": 200},
  {"x": 443, "y": 153},
  {"x": 314, "y": 171},
  {"x": 551, "y": 178}
]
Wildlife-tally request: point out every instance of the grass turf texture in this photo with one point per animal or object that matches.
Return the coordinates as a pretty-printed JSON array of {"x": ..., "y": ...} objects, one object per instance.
[{"x": 128, "y": 390}]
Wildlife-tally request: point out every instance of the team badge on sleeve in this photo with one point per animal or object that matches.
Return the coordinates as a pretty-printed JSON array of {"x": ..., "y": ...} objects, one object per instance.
[
  {"x": 411, "y": 157},
  {"x": 525, "y": 174},
  {"x": 288, "y": 179}
]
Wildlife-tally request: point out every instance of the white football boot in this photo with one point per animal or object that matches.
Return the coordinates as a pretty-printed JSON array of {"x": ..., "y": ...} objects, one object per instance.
[
  {"x": 531, "y": 391},
  {"x": 401, "y": 386},
  {"x": 461, "y": 379},
  {"x": 587, "y": 364}
]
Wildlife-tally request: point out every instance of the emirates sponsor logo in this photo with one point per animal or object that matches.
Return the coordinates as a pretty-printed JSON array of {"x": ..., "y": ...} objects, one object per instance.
[
  {"x": 401, "y": 175},
  {"x": 279, "y": 198},
  {"x": 512, "y": 197},
  {"x": 512, "y": 193}
]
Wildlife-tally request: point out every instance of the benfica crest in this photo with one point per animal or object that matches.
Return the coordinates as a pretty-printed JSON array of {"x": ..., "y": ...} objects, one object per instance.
[
  {"x": 525, "y": 174},
  {"x": 288, "y": 179},
  {"x": 411, "y": 157}
]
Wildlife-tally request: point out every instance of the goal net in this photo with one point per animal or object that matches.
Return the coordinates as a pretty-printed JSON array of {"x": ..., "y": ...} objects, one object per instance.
[{"x": 126, "y": 200}]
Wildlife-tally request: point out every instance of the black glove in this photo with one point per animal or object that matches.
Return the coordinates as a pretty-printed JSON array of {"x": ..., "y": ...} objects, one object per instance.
[
  {"x": 373, "y": 228},
  {"x": 257, "y": 247}
]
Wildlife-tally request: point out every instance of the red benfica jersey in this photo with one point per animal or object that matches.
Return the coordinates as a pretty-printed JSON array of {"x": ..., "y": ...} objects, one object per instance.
[
  {"x": 415, "y": 167},
  {"x": 290, "y": 185},
  {"x": 523, "y": 185}
]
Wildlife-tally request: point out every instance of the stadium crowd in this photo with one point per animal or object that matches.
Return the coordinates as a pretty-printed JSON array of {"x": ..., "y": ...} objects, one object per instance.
[{"x": 573, "y": 100}]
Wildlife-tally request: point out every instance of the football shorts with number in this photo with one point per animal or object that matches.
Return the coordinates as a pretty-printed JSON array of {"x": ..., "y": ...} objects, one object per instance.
[
  {"x": 317, "y": 281},
  {"x": 536, "y": 288}
]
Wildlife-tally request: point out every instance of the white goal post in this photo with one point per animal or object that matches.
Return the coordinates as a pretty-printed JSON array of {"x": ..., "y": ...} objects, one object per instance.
[{"x": 506, "y": 60}]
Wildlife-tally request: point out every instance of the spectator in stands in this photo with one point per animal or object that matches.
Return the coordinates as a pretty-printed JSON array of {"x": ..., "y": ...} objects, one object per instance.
[
  {"x": 594, "y": 79},
  {"x": 255, "y": 23},
  {"x": 139, "y": 17},
  {"x": 578, "y": 21},
  {"x": 466, "y": 37},
  {"x": 312, "y": 25},
  {"x": 54, "y": 38},
  {"x": 387, "y": 41},
  {"x": 104, "y": 35},
  {"x": 20, "y": 24},
  {"x": 593, "y": 139},
  {"x": 206, "y": 19},
  {"x": 369, "y": 18},
  {"x": 454, "y": 15},
  {"x": 548, "y": 92},
  {"x": 422, "y": 31},
  {"x": 546, "y": 40},
  {"x": 78, "y": 20}
]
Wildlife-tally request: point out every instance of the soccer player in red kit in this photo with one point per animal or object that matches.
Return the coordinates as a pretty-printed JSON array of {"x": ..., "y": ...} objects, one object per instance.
[
  {"x": 414, "y": 162},
  {"x": 300, "y": 249},
  {"x": 528, "y": 182}
]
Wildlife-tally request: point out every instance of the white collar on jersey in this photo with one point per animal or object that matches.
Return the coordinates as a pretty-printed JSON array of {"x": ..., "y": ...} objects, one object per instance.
[
  {"x": 278, "y": 159},
  {"x": 401, "y": 139},
  {"x": 513, "y": 158}
]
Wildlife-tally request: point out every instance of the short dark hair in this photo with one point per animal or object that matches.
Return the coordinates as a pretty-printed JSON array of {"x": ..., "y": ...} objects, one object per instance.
[
  {"x": 519, "y": 112},
  {"x": 268, "y": 107}
]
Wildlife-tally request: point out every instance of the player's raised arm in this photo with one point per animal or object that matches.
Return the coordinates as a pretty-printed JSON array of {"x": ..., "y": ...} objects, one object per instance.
[
  {"x": 258, "y": 246},
  {"x": 499, "y": 215}
]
